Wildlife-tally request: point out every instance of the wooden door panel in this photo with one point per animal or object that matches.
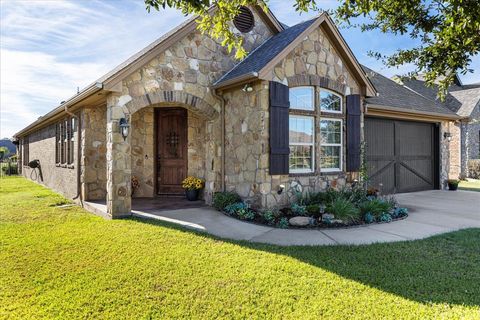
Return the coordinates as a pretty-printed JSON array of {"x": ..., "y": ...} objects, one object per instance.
[
  {"x": 400, "y": 155},
  {"x": 171, "y": 150}
]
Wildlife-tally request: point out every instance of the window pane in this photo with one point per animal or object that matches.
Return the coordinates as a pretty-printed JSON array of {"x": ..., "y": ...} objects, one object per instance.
[
  {"x": 301, "y": 129},
  {"x": 301, "y": 98},
  {"x": 330, "y": 131},
  {"x": 301, "y": 158},
  {"x": 330, "y": 101},
  {"x": 330, "y": 157}
]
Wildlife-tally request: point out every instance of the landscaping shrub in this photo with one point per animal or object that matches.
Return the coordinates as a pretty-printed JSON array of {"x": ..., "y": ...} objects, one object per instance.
[
  {"x": 474, "y": 168},
  {"x": 298, "y": 210},
  {"x": 344, "y": 210},
  {"x": 268, "y": 216},
  {"x": 313, "y": 210},
  {"x": 375, "y": 207},
  {"x": 223, "y": 199},
  {"x": 283, "y": 223},
  {"x": 241, "y": 210}
]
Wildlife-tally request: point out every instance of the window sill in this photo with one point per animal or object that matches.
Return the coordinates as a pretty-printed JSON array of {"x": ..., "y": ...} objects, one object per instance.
[
  {"x": 328, "y": 173},
  {"x": 302, "y": 174}
]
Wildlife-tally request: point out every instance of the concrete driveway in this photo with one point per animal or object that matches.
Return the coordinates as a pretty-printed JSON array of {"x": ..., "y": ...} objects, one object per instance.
[{"x": 430, "y": 213}]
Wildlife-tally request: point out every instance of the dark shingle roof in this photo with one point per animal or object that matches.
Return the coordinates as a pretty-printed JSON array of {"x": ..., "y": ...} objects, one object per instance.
[
  {"x": 263, "y": 54},
  {"x": 392, "y": 94},
  {"x": 460, "y": 99}
]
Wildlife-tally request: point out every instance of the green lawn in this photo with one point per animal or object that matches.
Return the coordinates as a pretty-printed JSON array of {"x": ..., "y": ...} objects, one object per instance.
[
  {"x": 67, "y": 264},
  {"x": 470, "y": 184}
]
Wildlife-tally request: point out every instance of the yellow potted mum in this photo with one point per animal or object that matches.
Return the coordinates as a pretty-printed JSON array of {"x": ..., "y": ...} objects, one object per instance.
[{"x": 192, "y": 186}]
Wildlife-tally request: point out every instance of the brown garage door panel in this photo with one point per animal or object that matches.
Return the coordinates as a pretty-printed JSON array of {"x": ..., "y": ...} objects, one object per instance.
[{"x": 400, "y": 155}]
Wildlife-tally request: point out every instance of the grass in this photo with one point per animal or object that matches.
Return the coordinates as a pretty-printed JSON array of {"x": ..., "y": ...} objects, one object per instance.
[
  {"x": 470, "y": 184},
  {"x": 63, "y": 263}
]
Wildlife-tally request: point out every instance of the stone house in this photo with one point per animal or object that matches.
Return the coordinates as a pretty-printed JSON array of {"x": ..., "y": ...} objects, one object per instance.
[{"x": 291, "y": 116}]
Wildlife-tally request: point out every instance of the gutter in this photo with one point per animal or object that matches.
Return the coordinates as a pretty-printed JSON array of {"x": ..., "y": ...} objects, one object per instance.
[
  {"x": 437, "y": 115},
  {"x": 222, "y": 138},
  {"x": 85, "y": 93},
  {"x": 236, "y": 81}
]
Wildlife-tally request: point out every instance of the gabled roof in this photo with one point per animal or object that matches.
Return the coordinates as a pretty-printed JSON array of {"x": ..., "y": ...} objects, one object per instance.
[
  {"x": 394, "y": 95},
  {"x": 262, "y": 55},
  {"x": 460, "y": 99},
  {"x": 108, "y": 81},
  {"x": 260, "y": 61}
]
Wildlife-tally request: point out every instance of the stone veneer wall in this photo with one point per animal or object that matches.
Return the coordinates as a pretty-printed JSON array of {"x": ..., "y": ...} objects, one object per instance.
[
  {"x": 62, "y": 179},
  {"x": 313, "y": 62},
  {"x": 179, "y": 76},
  {"x": 94, "y": 148},
  {"x": 143, "y": 156}
]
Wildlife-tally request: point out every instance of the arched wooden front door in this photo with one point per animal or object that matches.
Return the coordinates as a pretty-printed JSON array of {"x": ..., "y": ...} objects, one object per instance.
[{"x": 171, "y": 150}]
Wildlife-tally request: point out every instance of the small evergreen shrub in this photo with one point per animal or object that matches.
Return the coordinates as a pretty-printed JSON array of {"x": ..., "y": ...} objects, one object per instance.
[
  {"x": 298, "y": 210},
  {"x": 269, "y": 217},
  {"x": 283, "y": 223},
  {"x": 385, "y": 217},
  {"x": 375, "y": 206},
  {"x": 223, "y": 199},
  {"x": 368, "y": 218},
  {"x": 313, "y": 210},
  {"x": 241, "y": 210},
  {"x": 344, "y": 210}
]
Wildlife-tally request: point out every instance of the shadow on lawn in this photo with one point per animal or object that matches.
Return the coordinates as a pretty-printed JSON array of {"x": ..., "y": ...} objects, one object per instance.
[{"x": 441, "y": 269}]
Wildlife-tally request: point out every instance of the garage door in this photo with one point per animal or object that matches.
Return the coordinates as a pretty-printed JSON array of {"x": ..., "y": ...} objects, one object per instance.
[{"x": 401, "y": 156}]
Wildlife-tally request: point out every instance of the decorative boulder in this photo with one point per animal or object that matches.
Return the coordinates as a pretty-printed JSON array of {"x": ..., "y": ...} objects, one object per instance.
[
  {"x": 337, "y": 221},
  {"x": 299, "y": 221}
]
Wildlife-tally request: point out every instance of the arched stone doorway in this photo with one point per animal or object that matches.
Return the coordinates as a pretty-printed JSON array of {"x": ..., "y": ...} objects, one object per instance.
[{"x": 138, "y": 156}]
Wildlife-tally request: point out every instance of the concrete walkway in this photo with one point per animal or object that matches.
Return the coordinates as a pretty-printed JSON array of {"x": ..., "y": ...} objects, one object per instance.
[{"x": 430, "y": 213}]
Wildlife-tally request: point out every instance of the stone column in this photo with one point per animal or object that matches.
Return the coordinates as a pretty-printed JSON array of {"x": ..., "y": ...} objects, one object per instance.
[{"x": 119, "y": 200}]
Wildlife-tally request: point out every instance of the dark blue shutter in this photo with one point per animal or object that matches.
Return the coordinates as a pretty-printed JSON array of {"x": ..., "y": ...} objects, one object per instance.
[
  {"x": 279, "y": 148},
  {"x": 354, "y": 113}
]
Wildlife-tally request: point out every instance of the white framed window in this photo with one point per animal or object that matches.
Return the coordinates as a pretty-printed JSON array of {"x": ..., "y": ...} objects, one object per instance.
[
  {"x": 330, "y": 102},
  {"x": 302, "y": 144},
  {"x": 302, "y": 98},
  {"x": 331, "y": 145}
]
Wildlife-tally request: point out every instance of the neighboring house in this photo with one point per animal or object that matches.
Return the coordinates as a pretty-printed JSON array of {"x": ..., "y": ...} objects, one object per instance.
[
  {"x": 193, "y": 110},
  {"x": 464, "y": 100}
]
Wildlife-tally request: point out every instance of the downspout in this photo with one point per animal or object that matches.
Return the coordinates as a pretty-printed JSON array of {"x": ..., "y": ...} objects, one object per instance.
[
  {"x": 222, "y": 136},
  {"x": 79, "y": 139}
]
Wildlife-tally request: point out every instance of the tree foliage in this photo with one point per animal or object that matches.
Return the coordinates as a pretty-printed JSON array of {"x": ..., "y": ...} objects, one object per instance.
[{"x": 446, "y": 32}]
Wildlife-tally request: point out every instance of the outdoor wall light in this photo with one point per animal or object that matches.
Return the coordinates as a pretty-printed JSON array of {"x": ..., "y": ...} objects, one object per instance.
[
  {"x": 280, "y": 189},
  {"x": 448, "y": 136},
  {"x": 247, "y": 88},
  {"x": 124, "y": 128}
]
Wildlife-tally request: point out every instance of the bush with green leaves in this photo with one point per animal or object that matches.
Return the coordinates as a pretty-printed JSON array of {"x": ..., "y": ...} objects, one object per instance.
[
  {"x": 268, "y": 216},
  {"x": 223, "y": 199},
  {"x": 375, "y": 207},
  {"x": 298, "y": 210},
  {"x": 344, "y": 210},
  {"x": 282, "y": 223},
  {"x": 314, "y": 210},
  {"x": 241, "y": 210}
]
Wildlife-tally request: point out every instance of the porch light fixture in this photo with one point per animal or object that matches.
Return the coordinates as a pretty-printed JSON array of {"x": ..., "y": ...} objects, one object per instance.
[
  {"x": 247, "y": 88},
  {"x": 448, "y": 136},
  {"x": 124, "y": 128}
]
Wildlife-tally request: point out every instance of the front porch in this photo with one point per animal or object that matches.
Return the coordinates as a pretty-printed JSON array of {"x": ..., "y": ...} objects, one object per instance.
[{"x": 156, "y": 205}]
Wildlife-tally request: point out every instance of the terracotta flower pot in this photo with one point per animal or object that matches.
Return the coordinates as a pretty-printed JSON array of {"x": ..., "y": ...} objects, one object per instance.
[{"x": 192, "y": 194}]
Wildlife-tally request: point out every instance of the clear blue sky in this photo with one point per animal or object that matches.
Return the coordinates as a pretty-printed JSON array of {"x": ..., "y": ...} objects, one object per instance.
[{"x": 51, "y": 47}]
